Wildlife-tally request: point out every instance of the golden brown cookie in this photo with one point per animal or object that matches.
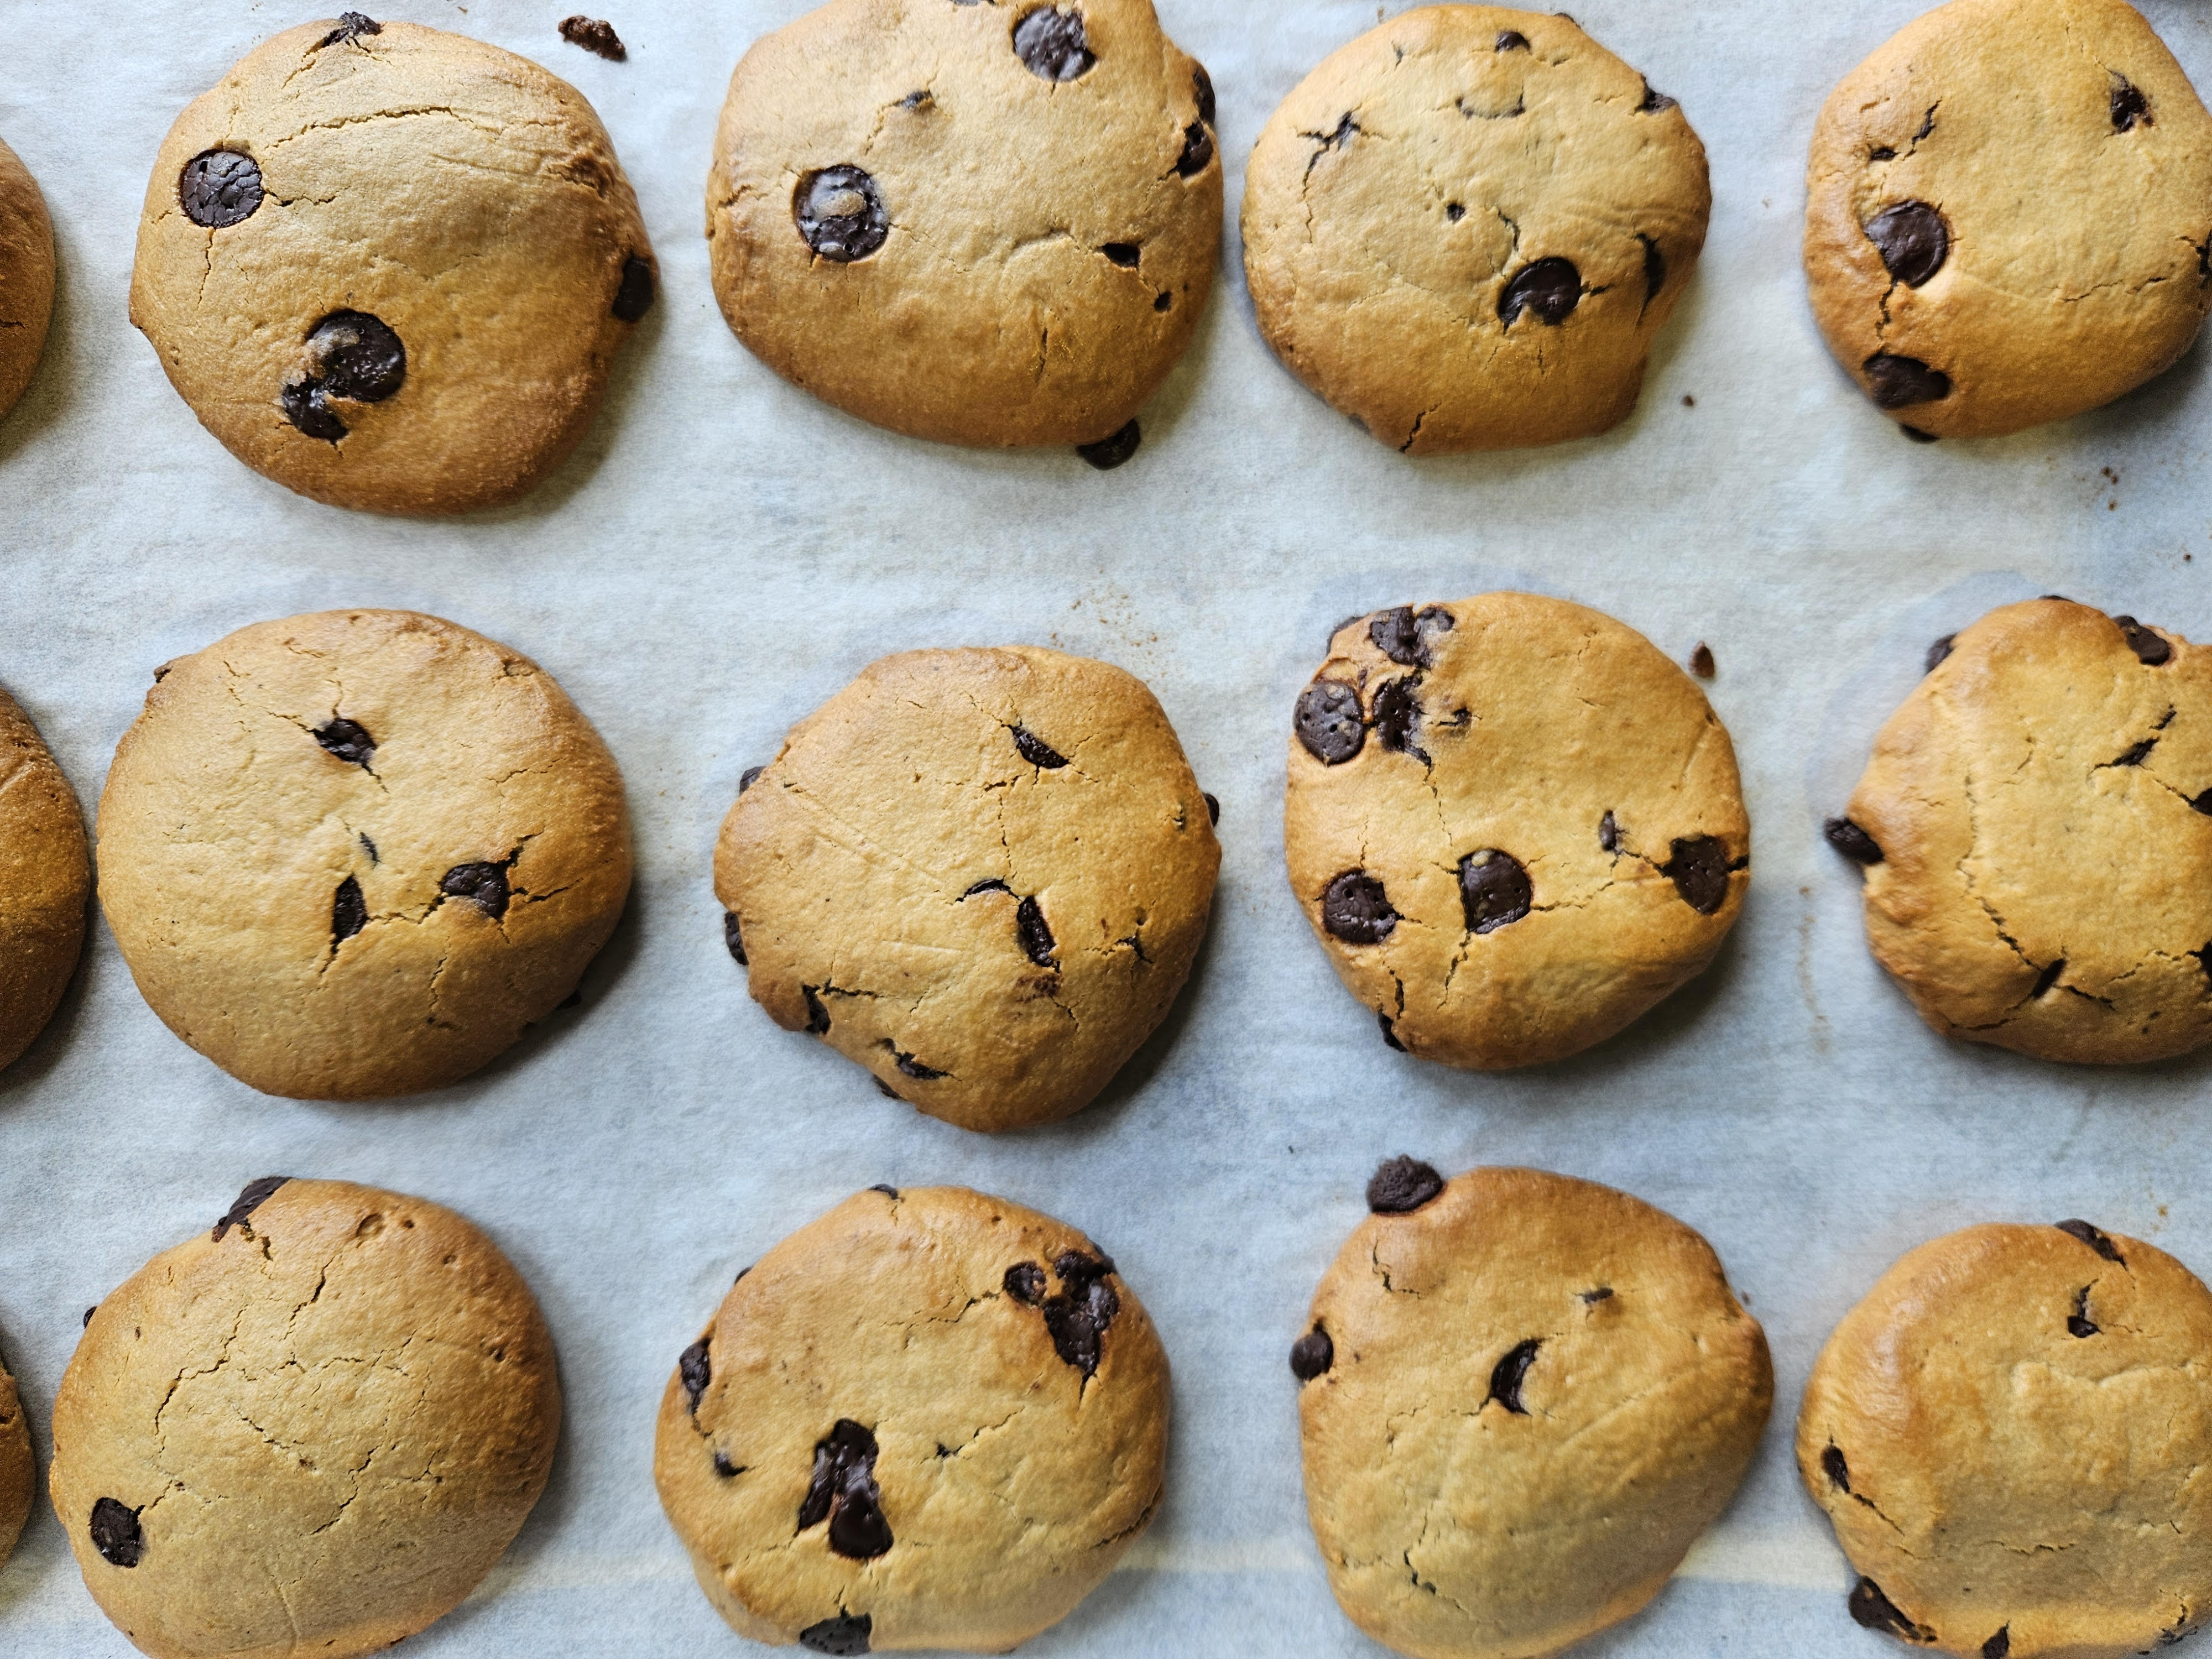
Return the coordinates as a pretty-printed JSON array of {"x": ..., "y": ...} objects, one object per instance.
[
  {"x": 928, "y": 1419},
  {"x": 355, "y": 853},
  {"x": 46, "y": 877},
  {"x": 1521, "y": 1397},
  {"x": 1466, "y": 228},
  {"x": 1514, "y": 825},
  {"x": 18, "y": 1472},
  {"x": 313, "y": 1430},
  {"x": 982, "y": 874},
  {"x": 2039, "y": 862},
  {"x": 2009, "y": 215},
  {"x": 389, "y": 267},
  {"x": 988, "y": 224},
  {"x": 26, "y": 277},
  {"x": 2010, "y": 1435}
]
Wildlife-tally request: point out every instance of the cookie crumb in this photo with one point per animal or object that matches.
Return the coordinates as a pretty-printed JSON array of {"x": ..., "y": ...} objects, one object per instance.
[
  {"x": 1701, "y": 661},
  {"x": 594, "y": 36},
  {"x": 1688, "y": 402}
]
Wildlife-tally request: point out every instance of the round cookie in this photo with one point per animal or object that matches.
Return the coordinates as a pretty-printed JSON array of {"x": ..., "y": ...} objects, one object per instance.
[
  {"x": 2039, "y": 862},
  {"x": 928, "y": 1419},
  {"x": 1966, "y": 301},
  {"x": 985, "y": 224},
  {"x": 1513, "y": 823},
  {"x": 46, "y": 877},
  {"x": 389, "y": 267},
  {"x": 982, "y": 873},
  {"x": 2009, "y": 1434},
  {"x": 313, "y": 1429},
  {"x": 26, "y": 277},
  {"x": 1521, "y": 1397},
  {"x": 18, "y": 1473},
  {"x": 356, "y": 853},
  {"x": 1466, "y": 228}
]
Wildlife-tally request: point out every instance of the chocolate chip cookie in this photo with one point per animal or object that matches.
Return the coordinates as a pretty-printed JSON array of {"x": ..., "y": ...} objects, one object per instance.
[
  {"x": 389, "y": 267},
  {"x": 2009, "y": 1435},
  {"x": 313, "y": 1428},
  {"x": 1521, "y": 1397},
  {"x": 1514, "y": 825},
  {"x": 2033, "y": 834},
  {"x": 355, "y": 853},
  {"x": 982, "y": 223},
  {"x": 982, "y": 874},
  {"x": 928, "y": 1419},
  {"x": 46, "y": 877},
  {"x": 18, "y": 1473},
  {"x": 1466, "y": 228},
  {"x": 2009, "y": 215},
  {"x": 26, "y": 277}
]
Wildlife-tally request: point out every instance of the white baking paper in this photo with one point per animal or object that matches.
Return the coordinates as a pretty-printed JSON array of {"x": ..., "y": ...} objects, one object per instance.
[{"x": 724, "y": 553}]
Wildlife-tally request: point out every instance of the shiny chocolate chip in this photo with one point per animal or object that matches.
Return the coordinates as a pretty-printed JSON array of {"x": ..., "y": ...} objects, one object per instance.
[
  {"x": 1699, "y": 870},
  {"x": 909, "y": 1066},
  {"x": 749, "y": 777},
  {"x": 1939, "y": 652},
  {"x": 1551, "y": 288},
  {"x": 350, "y": 355},
  {"x": 1402, "y": 1185},
  {"x": 1212, "y": 807},
  {"x": 1312, "y": 1355},
  {"x": 250, "y": 1198},
  {"x": 349, "y": 912},
  {"x": 845, "y": 1636},
  {"x": 482, "y": 884},
  {"x": 633, "y": 297},
  {"x": 1355, "y": 909},
  {"x": 1853, "y": 843},
  {"x": 2131, "y": 108},
  {"x": 734, "y": 938},
  {"x": 1034, "y": 934},
  {"x": 1913, "y": 240},
  {"x": 840, "y": 214},
  {"x": 818, "y": 1017},
  {"x": 843, "y": 1491},
  {"x": 1875, "y": 1611},
  {"x": 1025, "y": 1282},
  {"x": 1078, "y": 1319},
  {"x": 1507, "y": 1374},
  {"x": 1197, "y": 150},
  {"x": 1201, "y": 84},
  {"x": 1838, "y": 1471},
  {"x": 2150, "y": 649},
  {"x": 1896, "y": 382},
  {"x": 2078, "y": 1323},
  {"x": 1398, "y": 716},
  {"x": 1051, "y": 45},
  {"x": 1036, "y": 750},
  {"x": 695, "y": 1371},
  {"x": 1608, "y": 833},
  {"x": 2095, "y": 1239},
  {"x": 1113, "y": 450},
  {"x": 1407, "y": 636},
  {"x": 1512, "y": 40},
  {"x": 1330, "y": 722},
  {"x": 347, "y": 740},
  {"x": 1494, "y": 890},
  {"x": 219, "y": 188},
  {"x": 352, "y": 25},
  {"x": 115, "y": 1534}
]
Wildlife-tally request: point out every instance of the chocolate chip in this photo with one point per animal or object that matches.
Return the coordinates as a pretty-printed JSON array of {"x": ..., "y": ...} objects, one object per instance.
[
  {"x": 1025, "y": 1283},
  {"x": 219, "y": 188},
  {"x": 1112, "y": 451},
  {"x": 1654, "y": 269},
  {"x": 2046, "y": 978},
  {"x": 1896, "y": 382},
  {"x": 304, "y": 406},
  {"x": 1871, "y": 1608},
  {"x": 1701, "y": 661},
  {"x": 844, "y": 1635},
  {"x": 349, "y": 912},
  {"x": 2130, "y": 109},
  {"x": 1699, "y": 871},
  {"x": 1838, "y": 1471},
  {"x": 115, "y": 1534},
  {"x": 1212, "y": 807},
  {"x": 1608, "y": 833},
  {"x": 2203, "y": 804},
  {"x": 352, "y": 25},
  {"x": 1390, "y": 1032},
  {"x": 2138, "y": 753},
  {"x": 2078, "y": 1322},
  {"x": 909, "y": 1066},
  {"x": 1653, "y": 102},
  {"x": 732, "y": 937},
  {"x": 1197, "y": 150},
  {"x": 1882, "y": 152},
  {"x": 1602, "y": 1293},
  {"x": 1164, "y": 302},
  {"x": 1078, "y": 1320},
  {"x": 887, "y": 1190},
  {"x": 1853, "y": 843},
  {"x": 1913, "y": 241},
  {"x": 1398, "y": 716},
  {"x": 1506, "y": 1376},
  {"x": 1512, "y": 40},
  {"x": 1355, "y": 909},
  {"x": 347, "y": 741},
  {"x": 250, "y": 1198},
  {"x": 818, "y": 1017},
  {"x": 483, "y": 884},
  {"x": 726, "y": 1469},
  {"x": 1916, "y": 435},
  {"x": 1454, "y": 212},
  {"x": 843, "y": 1491},
  {"x": 595, "y": 36},
  {"x": 1312, "y": 1355},
  {"x": 840, "y": 214},
  {"x": 1493, "y": 889},
  {"x": 1036, "y": 937},
  {"x": 2095, "y": 1240},
  {"x": 695, "y": 1371},
  {"x": 1402, "y": 1185},
  {"x": 1124, "y": 254},
  {"x": 2150, "y": 649},
  {"x": 1998, "y": 1646},
  {"x": 634, "y": 298},
  {"x": 1408, "y": 637},
  {"x": 991, "y": 886},
  {"x": 350, "y": 355},
  {"x": 1328, "y": 721},
  {"x": 88, "y": 1312},
  {"x": 1051, "y": 45},
  {"x": 1036, "y": 750},
  {"x": 1939, "y": 652},
  {"x": 1551, "y": 288},
  {"x": 749, "y": 777}
]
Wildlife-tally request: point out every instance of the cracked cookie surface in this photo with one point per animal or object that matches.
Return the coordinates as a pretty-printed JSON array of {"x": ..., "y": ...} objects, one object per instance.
[
  {"x": 18, "y": 1472},
  {"x": 2009, "y": 1434},
  {"x": 315, "y": 1427},
  {"x": 459, "y": 199},
  {"x": 928, "y": 1419},
  {"x": 2039, "y": 862},
  {"x": 1520, "y": 1399},
  {"x": 26, "y": 277},
  {"x": 1513, "y": 823},
  {"x": 355, "y": 853},
  {"x": 1466, "y": 228},
  {"x": 983, "y": 223},
  {"x": 2009, "y": 215},
  {"x": 982, "y": 873},
  {"x": 46, "y": 877}
]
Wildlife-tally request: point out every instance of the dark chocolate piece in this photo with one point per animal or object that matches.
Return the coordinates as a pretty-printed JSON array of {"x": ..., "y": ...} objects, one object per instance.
[
  {"x": 250, "y": 1198},
  {"x": 1402, "y": 1185}
]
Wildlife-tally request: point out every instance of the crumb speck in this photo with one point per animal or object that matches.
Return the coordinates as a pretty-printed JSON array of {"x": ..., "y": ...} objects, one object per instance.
[
  {"x": 1701, "y": 661},
  {"x": 594, "y": 36}
]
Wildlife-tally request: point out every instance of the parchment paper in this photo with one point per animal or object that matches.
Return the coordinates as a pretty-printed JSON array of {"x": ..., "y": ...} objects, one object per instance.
[{"x": 725, "y": 553}]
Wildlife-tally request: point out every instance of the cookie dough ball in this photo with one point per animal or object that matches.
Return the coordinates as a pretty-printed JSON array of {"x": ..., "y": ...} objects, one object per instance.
[
  {"x": 389, "y": 267},
  {"x": 983, "y": 224},
  {"x": 18, "y": 1474},
  {"x": 2039, "y": 862},
  {"x": 355, "y": 853},
  {"x": 26, "y": 277},
  {"x": 2009, "y": 1435},
  {"x": 2009, "y": 215},
  {"x": 930, "y": 1419},
  {"x": 982, "y": 874},
  {"x": 46, "y": 877},
  {"x": 1466, "y": 228},
  {"x": 1521, "y": 1397},
  {"x": 1514, "y": 825},
  {"x": 312, "y": 1429}
]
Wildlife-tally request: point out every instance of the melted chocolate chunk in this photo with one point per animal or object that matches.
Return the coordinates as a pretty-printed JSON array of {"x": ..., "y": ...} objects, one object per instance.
[
  {"x": 2137, "y": 753},
  {"x": 1506, "y": 1376},
  {"x": 726, "y": 1469},
  {"x": 483, "y": 884},
  {"x": 1512, "y": 40},
  {"x": 1330, "y": 722},
  {"x": 695, "y": 1371},
  {"x": 1940, "y": 653},
  {"x": 1312, "y": 1355},
  {"x": 1896, "y": 382},
  {"x": 2046, "y": 978},
  {"x": 347, "y": 741},
  {"x": 886, "y": 1189},
  {"x": 1494, "y": 890},
  {"x": 749, "y": 777},
  {"x": 843, "y": 1491},
  {"x": 250, "y": 1198},
  {"x": 1025, "y": 1282},
  {"x": 1078, "y": 1319},
  {"x": 1355, "y": 909},
  {"x": 219, "y": 188},
  {"x": 1408, "y": 637},
  {"x": 1398, "y": 716},
  {"x": 1402, "y": 1185},
  {"x": 595, "y": 36},
  {"x": 1853, "y": 843},
  {"x": 1654, "y": 269},
  {"x": 115, "y": 1534},
  {"x": 732, "y": 937},
  {"x": 2078, "y": 1322},
  {"x": 352, "y": 25},
  {"x": 1391, "y": 1031},
  {"x": 1051, "y": 45},
  {"x": 1036, "y": 750},
  {"x": 1699, "y": 871},
  {"x": 845, "y": 1635},
  {"x": 1998, "y": 1646},
  {"x": 1212, "y": 807},
  {"x": 1030, "y": 928},
  {"x": 2150, "y": 649},
  {"x": 2094, "y": 1239},
  {"x": 1197, "y": 150},
  {"x": 2131, "y": 108},
  {"x": 1124, "y": 254},
  {"x": 1871, "y": 1608},
  {"x": 349, "y": 912},
  {"x": 1109, "y": 453},
  {"x": 1551, "y": 287},
  {"x": 840, "y": 214},
  {"x": 1913, "y": 241},
  {"x": 1838, "y": 1471},
  {"x": 1608, "y": 833},
  {"x": 634, "y": 298},
  {"x": 818, "y": 1017},
  {"x": 350, "y": 355}
]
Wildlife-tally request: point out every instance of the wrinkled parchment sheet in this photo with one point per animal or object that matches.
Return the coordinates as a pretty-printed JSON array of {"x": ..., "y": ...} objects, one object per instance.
[{"x": 724, "y": 553}]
